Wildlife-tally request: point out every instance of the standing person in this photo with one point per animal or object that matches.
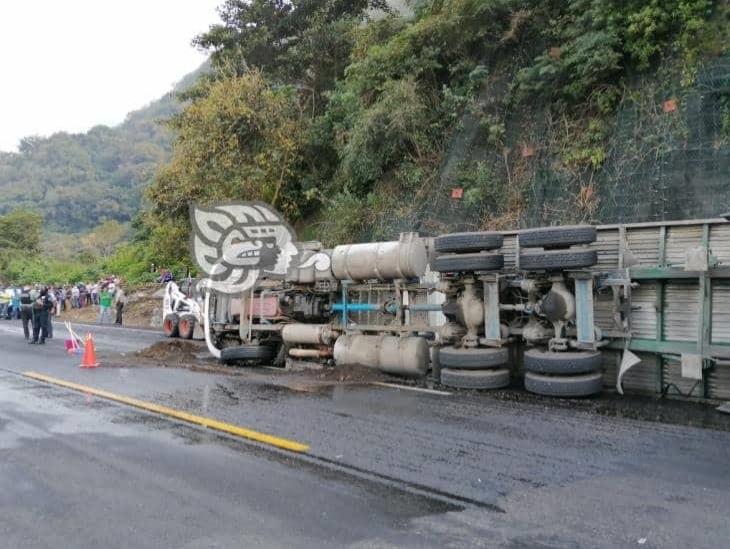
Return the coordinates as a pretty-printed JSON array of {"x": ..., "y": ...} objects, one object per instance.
[
  {"x": 8, "y": 294},
  {"x": 16, "y": 303},
  {"x": 4, "y": 303},
  {"x": 41, "y": 306},
  {"x": 82, "y": 295},
  {"x": 68, "y": 301},
  {"x": 26, "y": 310},
  {"x": 105, "y": 304},
  {"x": 75, "y": 296},
  {"x": 51, "y": 312},
  {"x": 120, "y": 300},
  {"x": 59, "y": 300}
]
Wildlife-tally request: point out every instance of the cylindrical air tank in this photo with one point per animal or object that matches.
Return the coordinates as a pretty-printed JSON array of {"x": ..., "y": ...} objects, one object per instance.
[
  {"x": 403, "y": 258},
  {"x": 313, "y": 334},
  {"x": 402, "y": 356}
]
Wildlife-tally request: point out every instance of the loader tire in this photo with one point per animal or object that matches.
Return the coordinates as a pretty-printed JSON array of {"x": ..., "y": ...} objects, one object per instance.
[
  {"x": 170, "y": 325},
  {"x": 186, "y": 326}
]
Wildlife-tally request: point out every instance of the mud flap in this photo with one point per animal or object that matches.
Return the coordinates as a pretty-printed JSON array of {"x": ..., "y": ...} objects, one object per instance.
[{"x": 628, "y": 360}]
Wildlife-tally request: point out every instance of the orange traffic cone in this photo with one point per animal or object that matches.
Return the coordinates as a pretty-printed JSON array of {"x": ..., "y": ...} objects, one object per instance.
[{"x": 89, "y": 358}]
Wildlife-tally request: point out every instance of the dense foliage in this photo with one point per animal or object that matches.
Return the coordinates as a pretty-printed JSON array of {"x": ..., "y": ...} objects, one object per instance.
[
  {"x": 241, "y": 138},
  {"x": 356, "y": 120},
  {"x": 376, "y": 106},
  {"x": 301, "y": 42}
]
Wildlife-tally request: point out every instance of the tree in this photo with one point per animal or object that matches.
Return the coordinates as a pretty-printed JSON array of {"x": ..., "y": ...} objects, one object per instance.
[
  {"x": 105, "y": 239},
  {"x": 302, "y": 42},
  {"x": 21, "y": 230},
  {"x": 242, "y": 140}
]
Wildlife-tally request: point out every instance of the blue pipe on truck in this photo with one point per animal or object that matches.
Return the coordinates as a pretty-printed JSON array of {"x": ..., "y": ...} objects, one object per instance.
[
  {"x": 355, "y": 307},
  {"x": 390, "y": 307}
]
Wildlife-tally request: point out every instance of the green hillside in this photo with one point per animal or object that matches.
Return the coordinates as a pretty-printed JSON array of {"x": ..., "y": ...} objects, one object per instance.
[
  {"x": 78, "y": 181},
  {"x": 359, "y": 122},
  {"x": 461, "y": 115}
]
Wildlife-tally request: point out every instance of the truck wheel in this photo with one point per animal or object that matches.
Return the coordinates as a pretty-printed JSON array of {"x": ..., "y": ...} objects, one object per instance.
[
  {"x": 247, "y": 352},
  {"x": 558, "y": 260},
  {"x": 186, "y": 326},
  {"x": 465, "y": 263},
  {"x": 473, "y": 359},
  {"x": 475, "y": 379},
  {"x": 557, "y": 237},
  {"x": 467, "y": 242},
  {"x": 564, "y": 386},
  {"x": 546, "y": 362},
  {"x": 170, "y": 325}
]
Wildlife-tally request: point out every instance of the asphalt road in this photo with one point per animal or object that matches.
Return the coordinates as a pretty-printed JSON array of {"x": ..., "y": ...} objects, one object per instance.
[{"x": 387, "y": 468}]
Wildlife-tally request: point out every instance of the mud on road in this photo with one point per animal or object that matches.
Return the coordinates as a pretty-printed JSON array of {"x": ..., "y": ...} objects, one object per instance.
[{"x": 193, "y": 355}]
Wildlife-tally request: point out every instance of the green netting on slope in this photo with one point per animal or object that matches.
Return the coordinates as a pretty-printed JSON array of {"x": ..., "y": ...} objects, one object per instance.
[
  {"x": 666, "y": 161},
  {"x": 663, "y": 162}
]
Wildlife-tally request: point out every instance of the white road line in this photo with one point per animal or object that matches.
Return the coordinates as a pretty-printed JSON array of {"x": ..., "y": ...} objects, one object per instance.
[{"x": 409, "y": 388}]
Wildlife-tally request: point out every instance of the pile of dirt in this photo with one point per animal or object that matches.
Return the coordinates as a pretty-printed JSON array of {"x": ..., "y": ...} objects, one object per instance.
[
  {"x": 140, "y": 312},
  {"x": 173, "y": 351}
]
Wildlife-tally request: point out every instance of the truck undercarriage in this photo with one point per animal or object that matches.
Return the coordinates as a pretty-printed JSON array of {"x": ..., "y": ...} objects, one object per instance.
[{"x": 570, "y": 310}]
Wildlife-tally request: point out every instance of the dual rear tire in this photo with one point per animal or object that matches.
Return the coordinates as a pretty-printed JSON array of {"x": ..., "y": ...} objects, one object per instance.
[
  {"x": 476, "y": 368},
  {"x": 467, "y": 252},
  {"x": 565, "y": 374},
  {"x": 558, "y": 254}
]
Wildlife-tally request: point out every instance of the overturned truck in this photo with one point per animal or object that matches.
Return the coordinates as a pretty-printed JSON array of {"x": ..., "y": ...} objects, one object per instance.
[{"x": 568, "y": 310}]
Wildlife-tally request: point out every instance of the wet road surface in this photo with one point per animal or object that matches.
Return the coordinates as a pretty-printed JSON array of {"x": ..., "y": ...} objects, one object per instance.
[{"x": 387, "y": 467}]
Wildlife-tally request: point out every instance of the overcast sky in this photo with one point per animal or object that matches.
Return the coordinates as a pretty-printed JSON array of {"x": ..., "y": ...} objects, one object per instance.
[{"x": 68, "y": 65}]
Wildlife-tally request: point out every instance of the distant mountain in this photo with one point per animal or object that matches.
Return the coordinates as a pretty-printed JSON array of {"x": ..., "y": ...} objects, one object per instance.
[{"x": 77, "y": 181}]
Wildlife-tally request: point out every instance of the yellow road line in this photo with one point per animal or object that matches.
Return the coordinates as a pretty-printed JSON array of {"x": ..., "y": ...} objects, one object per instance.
[{"x": 210, "y": 423}]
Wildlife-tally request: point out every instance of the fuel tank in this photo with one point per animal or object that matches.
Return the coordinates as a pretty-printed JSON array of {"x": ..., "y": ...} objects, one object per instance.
[
  {"x": 402, "y": 356},
  {"x": 399, "y": 259},
  {"x": 313, "y": 334}
]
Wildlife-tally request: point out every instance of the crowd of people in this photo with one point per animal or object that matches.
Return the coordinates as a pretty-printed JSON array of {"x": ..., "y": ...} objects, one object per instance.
[{"x": 36, "y": 306}]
